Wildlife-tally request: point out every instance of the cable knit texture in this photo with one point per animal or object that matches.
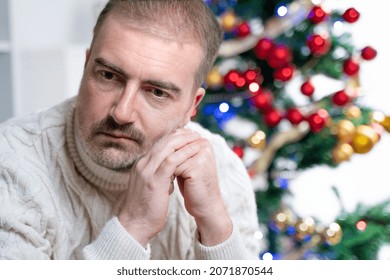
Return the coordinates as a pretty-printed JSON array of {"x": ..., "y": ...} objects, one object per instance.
[{"x": 56, "y": 203}]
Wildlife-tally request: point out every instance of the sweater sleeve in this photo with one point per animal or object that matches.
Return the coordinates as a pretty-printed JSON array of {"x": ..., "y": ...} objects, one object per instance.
[
  {"x": 231, "y": 249},
  {"x": 114, "y": 243},
  {"x": 25, "y": 230}
]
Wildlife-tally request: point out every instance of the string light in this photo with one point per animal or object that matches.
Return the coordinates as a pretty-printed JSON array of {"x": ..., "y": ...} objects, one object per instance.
[
  {"x": 338, "y": 24},
  {"x": 258, "y": 235},
  {"x": 316, "y": 2},
  {"x": 267, "y": 256},
  {"x": 224, "y": 107},
  {"x": 254, "y": 87},
  {"x": 282, "y": 11},
  {"x": 291, "y": 230}
]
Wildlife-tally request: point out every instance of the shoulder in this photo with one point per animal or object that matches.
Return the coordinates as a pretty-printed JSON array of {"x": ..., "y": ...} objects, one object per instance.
[
  {"x": 25, "y": 131},
  {"x": 27, "y": 144},
  {"x": 200, "y": 129},
  {"x": 29, "y": 148}
]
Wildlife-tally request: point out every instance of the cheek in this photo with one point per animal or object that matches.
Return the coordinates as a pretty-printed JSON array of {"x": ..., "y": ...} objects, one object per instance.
[
  {"x": 91, "y": 107},
  {"x": 160, "y": 125},
  {"x": 155, "y": 127}
]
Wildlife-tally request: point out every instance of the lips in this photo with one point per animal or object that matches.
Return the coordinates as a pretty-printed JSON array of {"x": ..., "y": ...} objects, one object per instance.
[
  {"x": 119, "y": 136},
  {"x": 115, "y": 135}
]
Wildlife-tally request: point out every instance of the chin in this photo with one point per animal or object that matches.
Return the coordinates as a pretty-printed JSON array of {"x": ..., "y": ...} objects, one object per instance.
[{"x": 114, "y": 159}]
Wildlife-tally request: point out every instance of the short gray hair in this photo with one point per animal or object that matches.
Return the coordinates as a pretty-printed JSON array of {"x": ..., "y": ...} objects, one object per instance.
[{"x": 179, "y": 19}]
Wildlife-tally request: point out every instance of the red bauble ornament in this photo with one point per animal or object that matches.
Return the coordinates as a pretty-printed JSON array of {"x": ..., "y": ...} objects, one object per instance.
[
  {"x": 238, "y": 150},
  {"x": 351, "y": 15},
  {"x": 240, "y": 82},
  {"x": 243, "y": 29},
  {"x": 307, "y": 88},
  {"x": 340, "y": 98},
  {"x": 318, "y": 45},
  {"x": 231, "y": 77},
  {"x": 285, "y": 73},
  {"x": 263, "y": 100},
  {"x": 294, "y": 116},
  {"x": 250, "y": 75},
  {"x": 316, "y": 15},
  {"x": 368, "y": 53},
  {"x": 253, "y": 75},
  {"x": 273, "y": 117},
  {"x": 263, "y": 48},
  {"x": 316, "y": 122},
  {"x": 279, "y": 56},
  {"x": 351, "y": 67}
]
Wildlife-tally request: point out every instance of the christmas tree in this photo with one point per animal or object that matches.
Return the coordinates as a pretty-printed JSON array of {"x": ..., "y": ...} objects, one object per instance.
[{"x": 285, "y": 94}]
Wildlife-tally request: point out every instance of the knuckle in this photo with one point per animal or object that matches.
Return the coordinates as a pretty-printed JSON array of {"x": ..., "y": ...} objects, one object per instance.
[
  {"x": 207, "y": 147},
  {"x": 169, "y": 160}
]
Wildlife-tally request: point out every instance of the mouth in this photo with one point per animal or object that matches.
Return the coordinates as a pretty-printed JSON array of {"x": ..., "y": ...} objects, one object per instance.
[{"x": 118, "y": 136}]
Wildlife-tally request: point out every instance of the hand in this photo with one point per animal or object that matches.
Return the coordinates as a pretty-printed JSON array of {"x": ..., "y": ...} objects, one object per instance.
[
  {"x": 144, "y": 209},
  {"x": 198, "y": 183}
]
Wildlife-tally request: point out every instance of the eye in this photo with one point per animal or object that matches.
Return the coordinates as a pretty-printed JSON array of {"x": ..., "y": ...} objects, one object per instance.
[
  {"x": 107, "y": 75},
  {"x": 156, "y": 92},
  {"x": 159, "y": 93}
]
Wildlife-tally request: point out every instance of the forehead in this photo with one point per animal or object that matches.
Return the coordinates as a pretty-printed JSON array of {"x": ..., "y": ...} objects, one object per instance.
[
  {"x": 161, "y": 18},
  {"x": 120, "y": 41}
]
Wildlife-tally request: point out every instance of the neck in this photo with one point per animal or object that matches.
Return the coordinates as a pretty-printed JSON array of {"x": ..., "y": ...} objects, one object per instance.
[{"x": 98, "y": 175}]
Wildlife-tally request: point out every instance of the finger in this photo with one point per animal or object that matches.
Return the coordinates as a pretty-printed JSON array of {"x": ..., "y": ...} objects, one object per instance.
[
  {"x": 166, "y": 146},
  {"x": 160, "y": 142},
  {"x": 203, "y": 160},
  {"x": 171, "y": 162}
]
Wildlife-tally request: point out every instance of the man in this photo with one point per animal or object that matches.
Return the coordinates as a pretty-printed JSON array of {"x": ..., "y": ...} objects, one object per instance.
[{"x": 120, "y": 172}]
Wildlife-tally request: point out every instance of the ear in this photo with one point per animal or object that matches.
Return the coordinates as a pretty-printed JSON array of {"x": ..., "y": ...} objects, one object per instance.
[
  {"x": 200, "y": 92},
  {"x": 198, "y": 97},
  {"x": 87, "y": 54}
]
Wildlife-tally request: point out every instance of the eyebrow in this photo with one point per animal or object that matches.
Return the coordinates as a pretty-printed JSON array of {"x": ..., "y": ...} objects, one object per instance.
[
  {"x": 164, "y": 85},
  {"x": 157, "y": 83},
  {"x": 114, "y": 68}
]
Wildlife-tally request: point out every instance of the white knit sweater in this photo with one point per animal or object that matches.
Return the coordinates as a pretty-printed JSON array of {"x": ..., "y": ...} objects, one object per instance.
[{"x": 55, "y": 203}]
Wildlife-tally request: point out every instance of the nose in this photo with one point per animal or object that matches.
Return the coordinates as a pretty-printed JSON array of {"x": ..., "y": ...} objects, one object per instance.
[{"x": 124, "y": 110}]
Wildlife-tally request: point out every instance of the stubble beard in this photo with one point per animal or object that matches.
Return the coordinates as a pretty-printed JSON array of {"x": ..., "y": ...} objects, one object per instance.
[{"x": 114, "y": 156}]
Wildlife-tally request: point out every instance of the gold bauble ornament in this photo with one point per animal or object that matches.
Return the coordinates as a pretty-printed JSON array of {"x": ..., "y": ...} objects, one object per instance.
[
  {"x": 214, "y": 78},
  {"x": 228, "y": 20},
  {"x": 342, "y": 152},
  {"x": 386, "y": 123},
  {"x": 353, "y": 112},
  {"x": 345, "y": 130},
  {"x": 258, "y": 140},
  {"x": 282, "y": 218},
  {"x": 364, "y": 140},
  {"x": 304, "y": 227},
  {"x": 333, "y": 234}
]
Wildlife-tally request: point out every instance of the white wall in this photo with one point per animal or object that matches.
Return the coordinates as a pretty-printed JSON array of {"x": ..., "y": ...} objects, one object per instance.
[{"x": 49, "y": 39}]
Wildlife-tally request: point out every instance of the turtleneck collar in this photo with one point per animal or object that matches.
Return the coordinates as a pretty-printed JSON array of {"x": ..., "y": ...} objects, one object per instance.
[{"x": 99, "y": 176}]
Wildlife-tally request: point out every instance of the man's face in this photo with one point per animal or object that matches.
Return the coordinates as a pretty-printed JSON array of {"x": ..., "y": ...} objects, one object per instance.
[{"x": 136, "y": 88}]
